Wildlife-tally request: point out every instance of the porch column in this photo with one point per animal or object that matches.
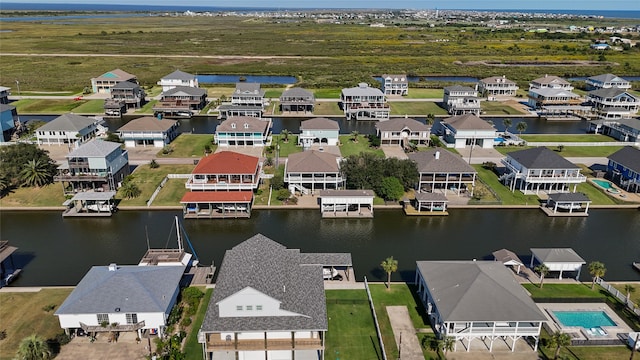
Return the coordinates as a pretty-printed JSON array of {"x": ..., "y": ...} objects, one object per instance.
[
  {"x": 586, "y": 209},
  {"x": 579, "y": 269},
  {"x": 560, "y": 278}
]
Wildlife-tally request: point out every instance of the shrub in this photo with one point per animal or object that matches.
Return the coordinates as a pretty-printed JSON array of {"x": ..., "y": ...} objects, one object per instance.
[
  {"x": 3, "y": 334},
  {"x": 277, "y": 182},
  {"x": 293, "y": 200},
  {"x": 374, "y": 141},
  {"x": 185, "y": 322},
  {"x": 268, "y": 161},
  {"x": 49, "y": 307},
  {"x": 63, "y": 339},
  {"x": 283, "y": 194},
  {"x": 175, "y": 315},
  {"x": 154, "y": 164}
]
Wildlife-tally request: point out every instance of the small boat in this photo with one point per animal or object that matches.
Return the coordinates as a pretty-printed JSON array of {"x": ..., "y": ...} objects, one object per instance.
[
  {"x": 636, "y": 265},
  {"x": 102, "y": 207},
  {"x": 10, "y": 277},
  {"x": 329, "y": 273},
  {"x": 569, "y": 206}
]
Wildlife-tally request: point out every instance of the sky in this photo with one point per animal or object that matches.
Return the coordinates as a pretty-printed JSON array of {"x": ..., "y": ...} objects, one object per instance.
[{"x": 383, "y": 4}]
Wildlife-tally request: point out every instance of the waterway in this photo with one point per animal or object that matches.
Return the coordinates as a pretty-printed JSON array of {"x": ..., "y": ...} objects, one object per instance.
[
  {"x": 232, "y": 79},
  {"x": 57, "y": 251}
]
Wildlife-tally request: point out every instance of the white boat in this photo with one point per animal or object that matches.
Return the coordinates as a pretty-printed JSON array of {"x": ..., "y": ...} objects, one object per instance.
[
  {"x": 329, "y": 273},
  {"x": 335, "y": 208},
  {"x": 569, "y": 206},
  {"x": 103, "y": 207},
  {"x": 10, "y": 277}
]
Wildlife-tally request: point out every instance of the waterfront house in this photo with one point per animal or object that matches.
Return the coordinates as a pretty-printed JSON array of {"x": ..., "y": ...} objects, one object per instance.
[
  {"x": 8, "y": 121},
  {"x": 467, "y": 130},
  {"x": 624, "y": 168},
  {"x": 148, "y": 131},
  {"x": 550, "y": 98},
  {"x": 178, "y": 78},
  {"x": 96, "y": 165},
  {"x": 247, "y": 100},
  {"x": 478, "y": 303},
  {"x": 103, "y": 83},
  {"x": 122, "y": 298},
  {"x": 128, "y": 92},
  {"x": 346, "y": 203},
  {"x": 402, "y": 131},
  {"x": 496, "y": 87},
  {"x": 613, "y": 103},
  {"x": 269, "y": 303},
  {"x": 607, "y": 81},
  {"x": 181, "y": 101},
  {"x": 460, "y": 100},
  {"x": 69, "y": 129},
  {"x": 558, "y": 260},
  {"x": 320, "y": 131},
  {"x": 224, "y": 171},
  {"x": 311, "y": 170},
  {"x": 539, "y": 168},
  {"x": 442, "y": 170},
  {"x": 4, "y": 94},
  {"x": 243, "y": 131},
  {"x": 364, "y": 103},
  {"x": 297, "y": 100},
  {"x": 395, "y": 85},
  {"x": 621, "y": 129},
  {"x": 551, "y": 82}
]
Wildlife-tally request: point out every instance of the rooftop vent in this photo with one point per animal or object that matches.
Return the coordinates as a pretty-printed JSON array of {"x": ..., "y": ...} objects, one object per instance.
[
  {"x": 363, "y": 85},
  {"x": 437, "y": 155},
  {"x": 113, "y": 267}
]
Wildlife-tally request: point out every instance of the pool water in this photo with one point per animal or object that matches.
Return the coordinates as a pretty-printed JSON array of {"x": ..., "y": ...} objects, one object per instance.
[
  {"x": 585, "y": 319},
  {"x": 603, "y": 184}
]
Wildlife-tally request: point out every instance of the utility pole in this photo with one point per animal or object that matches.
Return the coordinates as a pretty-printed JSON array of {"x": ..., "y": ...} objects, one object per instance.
[{"x": 18, "y": 85}]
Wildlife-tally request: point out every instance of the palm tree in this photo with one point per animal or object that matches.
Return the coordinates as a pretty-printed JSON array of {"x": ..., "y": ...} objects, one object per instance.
[
  {"x": 543, "y": 270},
  {"x": 35, "y": 173},
  {"x": 448, "y": 343},
  {"x": 430, "y": 119},
  {"x": 507, "y": 124},
  {"x": 285, "y": 135},
  {"x": 33, "y": 348},
  {"x": 629, "y": 289},
  {"x": 5, "y": 183},
  {"x": 130, "y": 190},
  {"x": 389, "y": 265},
  {"x": 354, "y": 136},
  {"x": 597, "y": 270},
  {"x": 521, "y": 127},
  {"x": 557, "y": 340}
]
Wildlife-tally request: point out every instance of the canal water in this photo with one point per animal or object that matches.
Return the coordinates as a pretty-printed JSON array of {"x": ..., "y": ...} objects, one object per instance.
[{"x": 57, "y": 251}]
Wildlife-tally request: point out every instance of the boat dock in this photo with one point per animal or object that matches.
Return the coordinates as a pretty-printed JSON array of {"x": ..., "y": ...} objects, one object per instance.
[{"x": 198, "y": 275}]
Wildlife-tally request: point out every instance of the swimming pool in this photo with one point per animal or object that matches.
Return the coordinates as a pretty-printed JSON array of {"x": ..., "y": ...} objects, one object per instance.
[
  {"x": 585, "y": 319},
  {"x": 605, "y": 185}
]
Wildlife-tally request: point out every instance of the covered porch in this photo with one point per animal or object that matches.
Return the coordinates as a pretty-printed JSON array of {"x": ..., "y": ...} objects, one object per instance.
[
  {"x": 567, "y": 204},
  {"x": 90, "y": 203},
  {"x": 559, "y": 260},
  {"x": 427, "y": 203},
  {"x": 346, "y": 203},
  {"x": 217, "y": 204}
]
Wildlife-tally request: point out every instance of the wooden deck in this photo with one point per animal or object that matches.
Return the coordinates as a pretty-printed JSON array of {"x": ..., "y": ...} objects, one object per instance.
[
  {"x": 411, "y": 211},
  {"x": 199, "y": 275},
  {"x": 73, "y": 212},
  {"x": 550, "y": 213},
  {"x": 363, "y": 214}
]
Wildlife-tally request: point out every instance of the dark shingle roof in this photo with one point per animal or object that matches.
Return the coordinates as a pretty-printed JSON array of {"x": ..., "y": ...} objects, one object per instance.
[
  {"x": 549, "y": 255},
  {"x": 447, "y": 163},
  {"x": 397, "y": 124},
  {"x": 125, "y": 85},
  {"x": 180, "y": 75},
  {"x": 458, "y": 88},
  {"x": 428, "y": 196},
  {"x": 297, "y": 92},
  {"x": 280, "y": 273},
  {"x": 606, "y": 78},
  {"x": 610, "y": 92},
  {"x": 541, "y": 158},
  {"x": 569, "y": 197},
  {"x": 68, "y": 122},
  {"x": 186, "y": 90},
  {"x": 468, "y": 122},
  {"x": 313, "y": 161},
  {"x": 628, "y": 157},
  {"x": 319, "y": 124}
]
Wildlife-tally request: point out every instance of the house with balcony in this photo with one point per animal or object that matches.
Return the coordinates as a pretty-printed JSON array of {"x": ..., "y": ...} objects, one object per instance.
[
  {"x": 225, "y": 171},
  {"x": 442, "y": 171},
  {"x": 460, "y": 100},
  {"x": 479, "y": 304},
  {"x": 364, "y": 103},
  {"x": 4, "y": 94},
  {"x": 269, "y": 303},
  {"x": 313, "y": 170},
  {"x": 624, "y": 168},
  {"x": 8, "y": 121},
  {"x": 297, "y": 100},
  {"x": 103, "y": 83},
  {"x": 129, "y": 93},
  {"x": 243, "y": 131},
  {"x": 122, "y": 298},
  {"x": 467, "y": 130},
  {"x": 627, "y": 130},
  {"x": 402, "y": 131},
  {"x": 181, "y": 101},
  {"x": 497, "y": 87},
  {"x": 613, "y": 103},
  {"x": 97, "y": 165},
  {"x": 247, "y": 100},
  {"x": 539, "y": 168},
  {"x": 550, "y": 82},
  {"x": 548, "y": 98},
  {"x": 178, "y": 78},
  {"x": 395, "y": 85},
  {"x": 607, "y": 81},
  {"x": 319, "y": 131},
  {"x": 148, "y": 131},
  {"x": 68, "y": 129}
]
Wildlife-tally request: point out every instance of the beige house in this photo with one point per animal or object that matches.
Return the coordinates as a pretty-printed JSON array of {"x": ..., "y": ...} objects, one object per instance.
[
  {"x": 497, "y": 86},
  {"x": 402, "y": 131},
  {"x": 443, "y": 171},
  {"x": 312, "y": 170},
  {"x": 103, "y": 83}
]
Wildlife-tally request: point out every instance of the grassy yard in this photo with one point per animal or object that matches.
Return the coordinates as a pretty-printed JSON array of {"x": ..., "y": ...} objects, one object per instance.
[
  {"x": 352, "y": 333},
  {"x": 327, "y": 108},
  {"x": 289, "y": 147},
  {"x": 499, "y": 108},
  {"x": 567, "y": 138},
  {"x": 189, "y": 145},
  {"x": 565, "y": 291},
  {"x": 148, "y": 180},
  {"x": 569, "y": 151},
  {"x": 147, "y": 108},
  {"x": 583, "y": 352},
  {"x": 90, "y": 107},
  {"x": 192, "y": 348},
  {"x": 327, "y": 93},
  {"x": 171, "y": 193},
  {"x": 49, "y": 195},
  {"x": 45, "y": 106},
  {"x": 635, "y": 294},
  {"x": 596, "y": 195},
  {"x": 507, "y": 197},
  {"x": 425, "y": 93},
  {"x": 416, "y": 108},
  {"x": 23, "y": 314},
  {"x": 348, "y": 147}
]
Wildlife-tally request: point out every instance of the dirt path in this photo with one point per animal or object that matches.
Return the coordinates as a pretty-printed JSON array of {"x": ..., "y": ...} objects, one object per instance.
[{"x": 222, "y": 57}]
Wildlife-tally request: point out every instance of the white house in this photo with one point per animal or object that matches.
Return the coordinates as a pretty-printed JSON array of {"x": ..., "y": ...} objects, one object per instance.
[
  {"x": 497, "y": 86},
  {"x": 320, "y": 131},
  {"x": 478, "y": 303},
  {"x": 312, "y": 170},
  {"x": 148, "y": 131},
  {"x": 243, "y": 131},
  {"x": 467, "y": 130},
  {"x": 460, "y": 100},
  {"x": 551, "y": 82},
  {"x": 401, "y": 131},
  {"x": 364, "y": 103},
  {"x": 395, "y": 85},
  {"x": 614, "y": 103},
  {"x": 178, "y": 78},
  {"x": 269, "y": 303},
  {"x": 558, "y": 260},
  {"x": 122, "y": 298},
  {"x": 70, "y": 129},
  {"x": 606, "y": 81}
]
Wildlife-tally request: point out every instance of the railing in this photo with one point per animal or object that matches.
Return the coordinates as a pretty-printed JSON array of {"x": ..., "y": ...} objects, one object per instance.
[
  {"x": 111, "y": 327},
  {"x": 555, "y": 179},
  {"x": 221, "y": 186},
  {"x": 620, "y": 296},
  {"x": 375, "y": 320},
  {"x": 80, "y": 178},
  {"x": 265, "y": 344}
]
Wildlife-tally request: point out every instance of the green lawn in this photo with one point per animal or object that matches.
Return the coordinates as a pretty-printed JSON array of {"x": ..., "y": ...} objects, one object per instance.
[
  {"x": 596, "y": 195},
  {"x": 415, "y": 93},
  {"x": 288, "y": 147},
  {"x": 45, "y": 106},
  {"x": 171, "y": 193},
  {"x": 567, "y": 138},
  {"x": 416, "y": 108},
  {"x": 352, "y": 332},
  {"x": 148, "y": 180},
  {"x": 583, "y": 352},
  {"x": 507, "y": 197},
  {"x": 499, "y": 108},
  {"x": 273, "y": 93},
  {"x": 189, "y": 145},
  {"x": 192, "y": 348},
  {"x": 348, "y": 147},
  {"x": 147, "y": 108},
  {"x": 49, "y": 195},
  {"x": 327, "y": 93},
  {"x": 90, "y": 107},
  {"x": 569, "y": 151},
  {"x": 560, "y": 291},
  {"x": 327, "y": 108},
  {"x": 635, "y": 294}
]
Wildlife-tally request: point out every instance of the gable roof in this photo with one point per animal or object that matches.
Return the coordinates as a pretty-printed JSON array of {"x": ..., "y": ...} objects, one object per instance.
[
  {"x": 185, "y": 90},
  {"x": 296, "y": 91},
  {"x": 550, "y": 79},
  {"x": 397, "y": 124},
  {"x": 68, "y": 122},
  {"x": 148, "y": 123},
  {"x": 94, "y": 148},
  {"x": 604, "y": 78},
  {"x": 611, "y": 92},
  {"x": 319, "y": 124},
  {"x": 227, "y": 162},
  {"x": 497, "y": 80},
  {"x": 179, "y": 75},
  {"x": 278, "y": 272},
  {"x": 131, "y": 289},
  {"x": 541, "y": 158},
  {"x": 459, "y": 88},
  {"x": 552, "y": 92},
  {"x": 125, "y": 85},
  {"x": 363, "y": 89},
  {"x": 116, "y": 74},
  {"x": 549, "y": 255},
  {"x": 253, "y": 124},
  {"x": 468, "y": 122},
  {"x": 312, "y": 161},
  {"x": 447, "y": 162},
  {"x": 477, "y": 291},
  {"x": 395, "y": 78},
  {"x": 569, "y": 197},
  {"x": 243, "y": 88},
  {"x": 628, "y": 157},
  {"x": 507, "y": 256}
]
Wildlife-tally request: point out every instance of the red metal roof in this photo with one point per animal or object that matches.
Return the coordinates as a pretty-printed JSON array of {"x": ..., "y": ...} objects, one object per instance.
[
  {"x": 217, "y": 196},
  {"x": 227, "y": 162}
]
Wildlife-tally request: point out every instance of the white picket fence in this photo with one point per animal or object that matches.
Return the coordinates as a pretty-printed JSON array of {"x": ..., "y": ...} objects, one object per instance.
[
  {"x": 622, "y": 297},
  {"x": 572, "y": 143},
  {"x": 163, "y": 182}
]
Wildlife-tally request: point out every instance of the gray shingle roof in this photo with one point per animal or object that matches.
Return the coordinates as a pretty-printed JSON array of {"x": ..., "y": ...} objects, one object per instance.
[
  {"x": 248, "y": 89},
  {"x": 428, "y": 196},
  {"x": 362, "y": 89},
  {"x": 397, "y": 79},
  {"x": 468, "y": 122},
  {"x": 185, "y": 90},
  {"x": 327, "y": 259},
  {"x": 447, "y": 163},
  {"x": 180, "y": 75},
  {"x": 296, "y": 92},
  {"x": 550, "y": 79},
  {"x": 477, "y": 291},
  {"x": 610, "y": 92},
  {"x": 68, "y": 122},
  {"x": 125, "y": 85},
  {"x": 497, "y": 80},
  {"x": 551, "y": 92},
  {"x": 568, "y": 197},
  {"x": 253, "y": 124},
  {"x": 148, "y": 123},
  {"x": 348, "y": 193},
  {"x": 541, "y": 158},
  {"x": 319, "y": 124},
  {"x": 628, "y": 157},
  {"x": 278, "y": 272},
  {"x": 504, "y": 256},
  {"x": 397, "y": 124},
  {"x": 94, "y": 148},
  {"x": 133, "y": 289},
  {"x": 5, "y": 107},
  {"x": 549, "y": 255},
  {"x": 458, "y": 88},
  {"x": 606, "y": 78},
  {"x": 312, "y": 161}
]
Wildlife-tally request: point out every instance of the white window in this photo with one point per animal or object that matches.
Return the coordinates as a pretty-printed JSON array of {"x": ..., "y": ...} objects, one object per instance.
[
  {"x": 132, "y": 318},
  {"x": 103, "y": 318}
]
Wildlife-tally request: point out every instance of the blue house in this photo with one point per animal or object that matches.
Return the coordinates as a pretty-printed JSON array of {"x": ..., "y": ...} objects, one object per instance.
[
  {"x": 8, "y": 117},
  {"x": 624, "y": 168}
]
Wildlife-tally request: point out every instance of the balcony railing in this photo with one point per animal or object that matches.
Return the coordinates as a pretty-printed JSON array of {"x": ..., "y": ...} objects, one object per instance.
[
  {"x": 111, "y": 327},
  {"x": 261, "y": 344},
  {"x": 80, "y": 178}
]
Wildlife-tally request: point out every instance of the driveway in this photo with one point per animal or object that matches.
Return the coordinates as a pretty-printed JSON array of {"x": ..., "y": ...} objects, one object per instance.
[
  {"x": 404, "y": 333},
  {"x": 125, "y": 349},
  {"x": 394, "y": 152}
]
